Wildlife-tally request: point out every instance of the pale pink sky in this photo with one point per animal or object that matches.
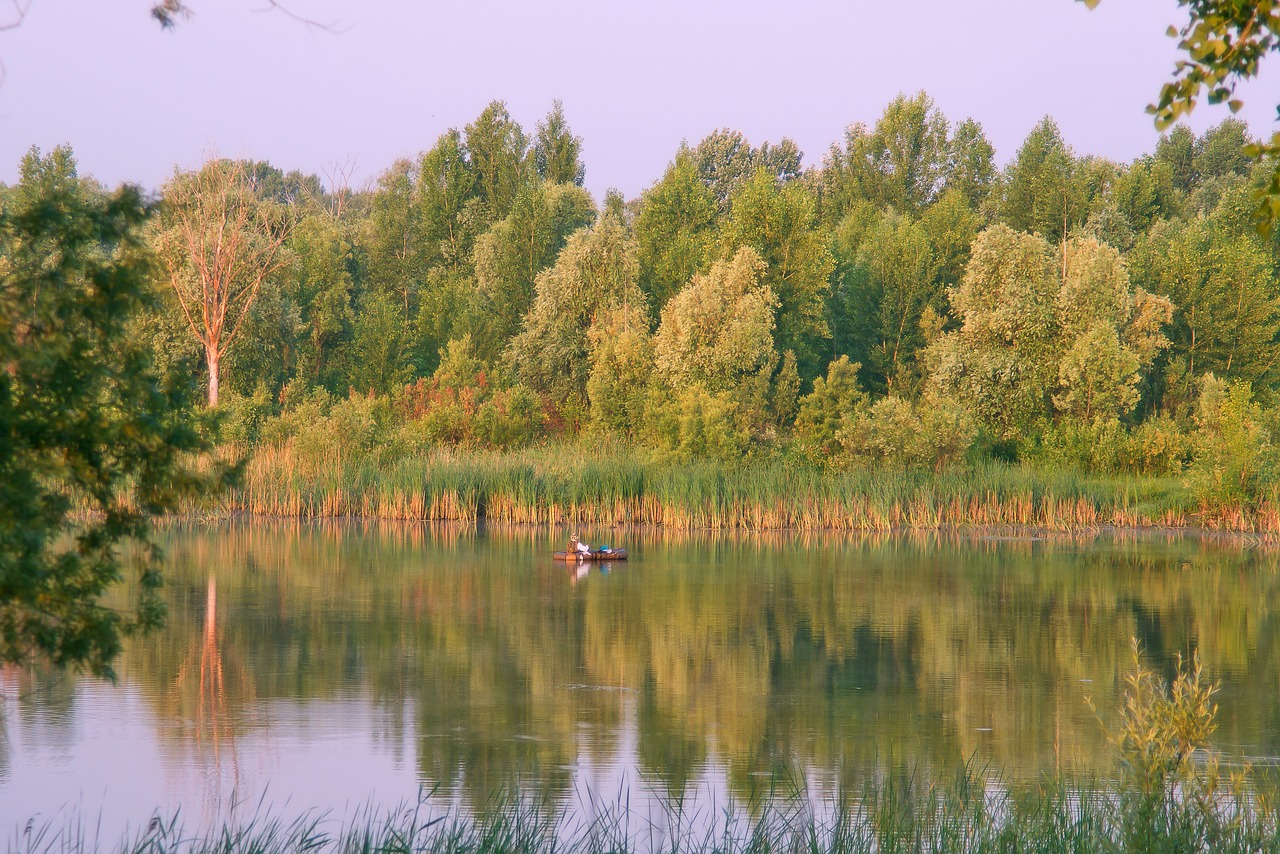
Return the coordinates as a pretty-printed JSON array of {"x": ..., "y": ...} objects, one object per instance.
[{"x": 636, "y": 78}]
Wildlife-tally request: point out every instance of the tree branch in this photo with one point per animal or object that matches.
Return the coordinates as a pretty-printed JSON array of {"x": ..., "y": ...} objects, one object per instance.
[{"x": 20, "y": 10}]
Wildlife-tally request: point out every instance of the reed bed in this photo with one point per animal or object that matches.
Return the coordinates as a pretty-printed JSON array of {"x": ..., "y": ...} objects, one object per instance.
[{"x": 612, "y": 486}]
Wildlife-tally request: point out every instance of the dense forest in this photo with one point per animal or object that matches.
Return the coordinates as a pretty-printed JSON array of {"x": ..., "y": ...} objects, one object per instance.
[{"x": 902, "y": 302}]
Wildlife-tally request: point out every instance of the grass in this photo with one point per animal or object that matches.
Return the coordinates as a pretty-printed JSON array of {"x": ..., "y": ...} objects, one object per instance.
[
  {"x": 613, "y": 486},
  {"x": 971, "y": 812}
]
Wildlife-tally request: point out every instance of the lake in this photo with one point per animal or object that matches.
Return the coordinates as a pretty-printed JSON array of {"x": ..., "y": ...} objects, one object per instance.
[{"x": 339, "y": 665}]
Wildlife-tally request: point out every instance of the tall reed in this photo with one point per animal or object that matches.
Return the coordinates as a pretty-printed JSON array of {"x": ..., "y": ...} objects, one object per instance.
[{"x": 608, "y": 486}]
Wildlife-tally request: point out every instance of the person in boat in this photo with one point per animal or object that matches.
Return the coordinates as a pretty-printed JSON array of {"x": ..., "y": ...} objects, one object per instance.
[{"x": 576, "y": 545}]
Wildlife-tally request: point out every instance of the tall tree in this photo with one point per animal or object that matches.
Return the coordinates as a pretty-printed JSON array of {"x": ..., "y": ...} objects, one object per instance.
[
  {"x": 718, "y": 331},
  {"x": 510, "y": 255},
  {"x": 1041, "y": 193},
  {"x": 899, "y": 263},
  {"x": 1228, "y": 318},
  {"x": 1177, "y": 149},
  {"x": 1220, "y": 151},
  {"x": 219, "y": 244},
  {"x": 557, "y": 153},
  {"x": 498, "y": 150},
  {"x": 321, "y": 270},
  {"x": 1001, "y": 359},
  {"x": 901, "y": 163},
  {"x": 1108, "y": 332},
  {"x": 86, "y": 421},
  {"x": 675, "y": 230},
  {"x": 594, "y": 276},
  {"x": 780, "y": 224},
  {"x": 971, "y": 163}
]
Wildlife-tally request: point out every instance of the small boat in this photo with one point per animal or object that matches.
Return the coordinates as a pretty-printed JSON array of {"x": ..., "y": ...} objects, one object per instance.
[{"x": 598, "y": 554}]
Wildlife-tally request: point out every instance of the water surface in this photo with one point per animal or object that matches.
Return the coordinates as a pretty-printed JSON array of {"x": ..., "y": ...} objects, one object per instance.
[{"x": 340, "y": 664}]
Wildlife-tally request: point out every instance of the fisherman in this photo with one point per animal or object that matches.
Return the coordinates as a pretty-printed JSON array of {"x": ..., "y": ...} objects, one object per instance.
[{"x": 576, "y": 545}]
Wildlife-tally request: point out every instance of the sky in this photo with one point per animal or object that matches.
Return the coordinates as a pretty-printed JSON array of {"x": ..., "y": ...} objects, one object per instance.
[{"x": 387, "y": 77}]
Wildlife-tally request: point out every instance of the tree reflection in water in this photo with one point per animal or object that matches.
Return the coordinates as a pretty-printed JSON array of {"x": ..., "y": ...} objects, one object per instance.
[{"x": 751, "y": 656}]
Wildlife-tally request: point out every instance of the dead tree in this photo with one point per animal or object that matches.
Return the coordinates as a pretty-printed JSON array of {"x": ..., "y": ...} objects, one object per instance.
[{"x": 221, "y": 243}]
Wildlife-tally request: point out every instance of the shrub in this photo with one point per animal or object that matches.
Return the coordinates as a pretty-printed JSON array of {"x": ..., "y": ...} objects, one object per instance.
[
  {"x": 241, "y": 418},
  {"x": 1158, "y": 447},
  {"x": 1232, "y": 466},
  {"x": 694, "y": 424},
  {"x": 894, "y": 431},
  {"x": 822, "y": 412},
  {"x": 1100, "y": 445}
]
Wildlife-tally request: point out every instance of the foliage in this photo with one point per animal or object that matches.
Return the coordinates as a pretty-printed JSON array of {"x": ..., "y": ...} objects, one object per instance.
[
  {"x": 675, "y": 230},
  {"x": 1226, "y": 285},
  {"x": 999, "y": 361},
  {"x": 594, "y": 279},
  {"x": 460, "y": 405},
  {"x": 93, "y": 440},
  {"x": 897, "y": 433},
  {"x": 1224, "y": 42},
  {"x": 556, "y": 151},
  {"x": 719, "y": 329},
  {"x": 779, "y": 223},
  {"x": 1234, "y": 459},
  {"x": 1042, "y": 193},
  {"x": 497, "y": 150},
  {"x": 834, "y": 401},
  {"x": 621, "y": 357},
  {"x": 511, "y": 254}
]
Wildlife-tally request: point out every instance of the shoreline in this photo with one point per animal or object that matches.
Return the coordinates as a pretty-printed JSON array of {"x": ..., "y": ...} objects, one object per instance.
[{"x": 977, "y": 534}]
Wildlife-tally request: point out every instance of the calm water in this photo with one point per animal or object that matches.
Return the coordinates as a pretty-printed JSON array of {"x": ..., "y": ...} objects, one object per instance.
[{"x": 332, "y": 666}]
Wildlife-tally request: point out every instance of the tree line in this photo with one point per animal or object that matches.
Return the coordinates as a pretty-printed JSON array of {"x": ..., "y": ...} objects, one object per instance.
[{"x": 903, "y": 300}]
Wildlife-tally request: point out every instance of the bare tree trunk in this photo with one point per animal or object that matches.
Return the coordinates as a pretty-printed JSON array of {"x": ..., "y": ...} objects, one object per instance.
[{"x": 212, "y": 359}]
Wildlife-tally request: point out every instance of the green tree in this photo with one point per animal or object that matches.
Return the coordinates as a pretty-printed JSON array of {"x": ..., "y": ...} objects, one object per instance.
[
  {"x": 971, "y": 164},
  {"x": 1224, "y": 42},
  {"x": 443, "y": 224},
  {"x": 1107, "y": 331},
  {"x": 780, "y": 223},
  {"x": 510, "y": 255},
  {"x": 498, "y": 148},
  {"x": 1228, "y": 301},
  {"x": 675, "y": 230},
  {"x": 557, "y": 153},
  {"x": 321, "y": 272},
  {"x": 1220, "y": 151},
  {"x": 92, "y": 437},
  {"x": 392, "y": 240},
  {"x": 899, "y": 264},
  {"x": 1145, "y": 192},
  {"x": 833, "y": 402},
  {"x": 901, "y": 163},
  {"x": 379, "y": 347},
  {"x": 621, "y": 354},
  {"x": 1233, "y": 462},
  {"x": 909, "y": 153},
  {"x": 1177, "y": 150},
  {"x": 1041, "y": 193},
  {"x": 1000, "y": 361},
  {"x": 719, "y": 329},
  {"x": 594, "y": 276}
]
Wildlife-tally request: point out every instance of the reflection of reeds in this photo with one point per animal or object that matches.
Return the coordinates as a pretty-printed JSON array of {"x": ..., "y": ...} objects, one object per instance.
[{"x": 574, "y": 485}]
